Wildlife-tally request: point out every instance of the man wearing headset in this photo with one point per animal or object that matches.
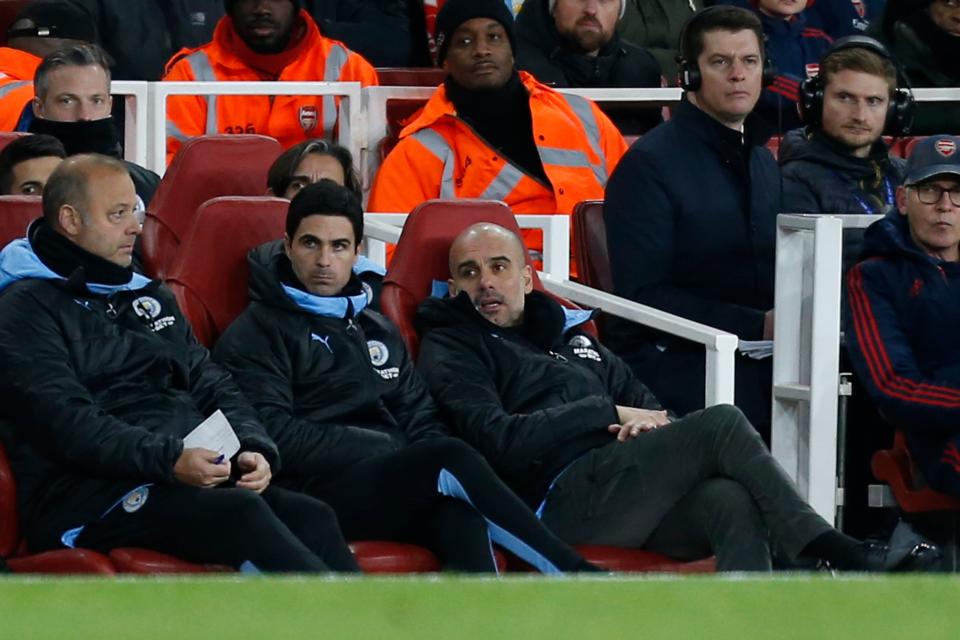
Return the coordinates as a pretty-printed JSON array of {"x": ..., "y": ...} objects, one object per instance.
[
  {"x": 691, "y": 214},
  {"x": 838, "y": 162}
]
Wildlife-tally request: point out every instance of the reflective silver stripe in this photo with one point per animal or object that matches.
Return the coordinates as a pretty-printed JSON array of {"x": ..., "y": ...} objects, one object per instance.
[
  {"x": 173, "y": 131},
  {"x": 203, "y": 72},
  {"x": 7, "y": 88},
  {"x": 331, "y": 73},
  {"x": 564, "y": 157},
  {"x": 584, "y": 112},
  {"x": 505, "y": 182},
  {"x": 436, "y": 145}
]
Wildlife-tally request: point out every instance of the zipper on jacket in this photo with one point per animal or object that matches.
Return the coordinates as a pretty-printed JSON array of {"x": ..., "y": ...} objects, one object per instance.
[
  {"x": 112, "y": 312},
  {"x": 352, "y": 329}
]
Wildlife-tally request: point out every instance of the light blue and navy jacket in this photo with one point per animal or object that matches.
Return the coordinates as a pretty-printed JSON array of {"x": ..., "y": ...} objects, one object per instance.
[
  {"x": 330, "y": 378},
  {"x": 98, "y": 385}
]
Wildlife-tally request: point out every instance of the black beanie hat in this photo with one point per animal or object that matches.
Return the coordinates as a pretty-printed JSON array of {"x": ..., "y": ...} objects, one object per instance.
[
  {"x": 455, "y": 12},
  {"x": 228, "y": 5}
]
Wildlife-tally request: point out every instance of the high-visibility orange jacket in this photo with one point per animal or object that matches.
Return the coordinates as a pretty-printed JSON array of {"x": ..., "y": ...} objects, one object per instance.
[
  {"x": 289, "y": 119},
  {"x": 441, "y": 156},
  {"x": 16, "y": 84}
]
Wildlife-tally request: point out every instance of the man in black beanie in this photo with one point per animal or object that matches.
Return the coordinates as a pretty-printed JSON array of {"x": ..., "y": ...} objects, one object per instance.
[{"x": 492, "y": 132}]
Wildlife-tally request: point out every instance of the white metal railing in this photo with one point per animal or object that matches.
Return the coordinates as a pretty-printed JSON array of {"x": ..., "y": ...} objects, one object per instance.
[
  {"x": 136, "y": 117},
  {"x": 720, "y": 345},
  {"x": 556, "y": 239},
  {"x": 806, "y": 351},
  {"x": 348, "y": 117}
]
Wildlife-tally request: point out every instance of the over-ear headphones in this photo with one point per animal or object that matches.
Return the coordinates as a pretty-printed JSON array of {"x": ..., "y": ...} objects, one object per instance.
[
  {"x": 902, "y": 105},
  {"x": 690, "y": 77}
]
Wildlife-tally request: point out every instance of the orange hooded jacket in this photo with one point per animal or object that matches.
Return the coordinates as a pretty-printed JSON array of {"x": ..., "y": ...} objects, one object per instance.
[
  {"x": 441, "y": 156},
  {"x": 289, "y": 119},
  {"x": 16, "y": 84}
]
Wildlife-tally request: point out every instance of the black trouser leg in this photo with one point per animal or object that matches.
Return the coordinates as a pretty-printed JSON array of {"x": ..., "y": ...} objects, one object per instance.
[
  {"x": 223, "y": 526},
  {"x": 717, "y": 517},
  {"x": 385, "y": 495},
  {"x": 619, "y": 493},
  {"x": 458, "y": 534},
  {"x": 314, "y": 524}
]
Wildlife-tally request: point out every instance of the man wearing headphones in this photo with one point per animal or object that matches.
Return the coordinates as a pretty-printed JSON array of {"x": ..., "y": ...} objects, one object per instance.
[
  {"x": 691, "y": 217},
  {"x": 839, "y": 163}
]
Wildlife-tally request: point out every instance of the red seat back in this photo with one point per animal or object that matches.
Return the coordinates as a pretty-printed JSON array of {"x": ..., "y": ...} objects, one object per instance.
[
  {"x": 907, "y": 145},
  {"x": 400, "y": 112},
  {"x": 204, "y": 168},
  {"x": 6, "y": 137},
  {"x": 590, "y": 245},
  {"x": 895, "y": 467},
  {"x": 410, "y": 76},
  {"x": 210, "y": 279},
  {"x": 16, "y": 214},
  {"x": 9, "y": 529},
  {"x": 421, "y": 256}
]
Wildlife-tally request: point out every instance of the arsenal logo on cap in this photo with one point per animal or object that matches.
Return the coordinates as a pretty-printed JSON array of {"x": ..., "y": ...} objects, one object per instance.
[
  {"x": 308, "y": 117},
  {"x": 946, "y": 147}
]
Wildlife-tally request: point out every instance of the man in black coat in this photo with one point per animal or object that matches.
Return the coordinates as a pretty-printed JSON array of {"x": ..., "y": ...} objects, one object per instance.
[
  {"x": 102, "y": 379},
  {"x": 568, "y": 426},
  {"x": 568, "y": 43},
  {"x": 691, "y": 218},
  {"x": 354, "y": 422}
]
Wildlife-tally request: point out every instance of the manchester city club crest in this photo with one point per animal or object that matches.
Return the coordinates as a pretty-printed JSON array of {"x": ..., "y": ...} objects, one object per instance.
[
  {"x": 146, "y": 307},
  {"x": 308, "y": 117},
  {"x": 378, "y": 352},
  {"x": 135, "y": 499}
]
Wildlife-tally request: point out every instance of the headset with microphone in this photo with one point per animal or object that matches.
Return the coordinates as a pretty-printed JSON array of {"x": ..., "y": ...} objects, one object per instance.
[
  {"x": 900, "y": 110},
  {"x": 690, "y": 77}
]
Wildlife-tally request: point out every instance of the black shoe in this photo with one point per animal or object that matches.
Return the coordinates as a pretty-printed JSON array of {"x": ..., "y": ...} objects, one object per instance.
[{"x": 922, "y": 556}]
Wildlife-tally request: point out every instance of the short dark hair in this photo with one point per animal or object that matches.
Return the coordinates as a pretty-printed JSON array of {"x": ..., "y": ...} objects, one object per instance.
[
  {"x": 282, "y": 170},
  {"x": 325, "y": 198},
  {"x": 23, "y": 149},
  {"x": 859, "y": 59},
  {"x": 717, "y": 18},
  {"x": 81, "y": 55},
  {"x": 69, "y": 181}
]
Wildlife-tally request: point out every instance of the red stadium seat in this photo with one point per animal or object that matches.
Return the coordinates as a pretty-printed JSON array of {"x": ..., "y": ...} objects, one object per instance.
[
  {"x": 590, "y": 245},
  {"x": 204, "y": 168},
  {"x": 210, "y": 278},
  {"x": 16, "y": 214},
  {"x": 13, "y": 552},
  {"x": 895, "y": 467},
  {"x": 907, "y": 145},
  {"x": 421, "y": 256},
  {"x": 410, "y": 76},
  {"x": 147, "y": 561},
  {"x": 6, "y": 137},
  {"x": 394, "y": 557},
  {"x": 400, "y": 112},
  {"x": 773, "y": 144},
  {"x": 640, "y": 561}
]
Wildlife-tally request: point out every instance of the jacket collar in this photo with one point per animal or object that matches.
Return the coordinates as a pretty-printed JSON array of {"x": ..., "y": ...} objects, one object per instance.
[
  {"x": 18, "y": 64},
  {"x": 713, "y": 132},
  {"x": 440, "y": 106},
  {"x": 230, "y": 56},
  {"x": 18, "y": 261}
]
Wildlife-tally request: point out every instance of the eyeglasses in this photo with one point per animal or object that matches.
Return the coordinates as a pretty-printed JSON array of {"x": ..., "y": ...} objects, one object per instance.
[{"x": 931, "y": 193}]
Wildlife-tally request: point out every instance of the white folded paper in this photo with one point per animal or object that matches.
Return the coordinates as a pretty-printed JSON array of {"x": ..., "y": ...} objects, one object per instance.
[
  {"x": 756, "y": 349},
  {"x": 216, "y": 434}
]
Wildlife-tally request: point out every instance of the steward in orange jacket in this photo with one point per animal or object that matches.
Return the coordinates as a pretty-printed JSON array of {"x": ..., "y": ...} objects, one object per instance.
[
  {"x": 491, "y": 132},
  {"x": 16, "y": 85},
  {"x": 262, "y": 41}
]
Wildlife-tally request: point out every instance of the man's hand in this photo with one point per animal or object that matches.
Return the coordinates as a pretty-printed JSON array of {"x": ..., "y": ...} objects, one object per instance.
[
  {"x": 635, "y": 421},
  {"x": 199, "y": 468},
  {"x": 256, "y": 470}
]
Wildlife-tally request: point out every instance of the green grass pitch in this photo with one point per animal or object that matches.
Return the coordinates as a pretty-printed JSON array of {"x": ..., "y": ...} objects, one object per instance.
[{"x": 742, "y": 608}]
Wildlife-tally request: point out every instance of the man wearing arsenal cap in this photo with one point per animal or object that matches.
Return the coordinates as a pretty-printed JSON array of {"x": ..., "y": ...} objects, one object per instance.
[{"x": 901, "y": 325}]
